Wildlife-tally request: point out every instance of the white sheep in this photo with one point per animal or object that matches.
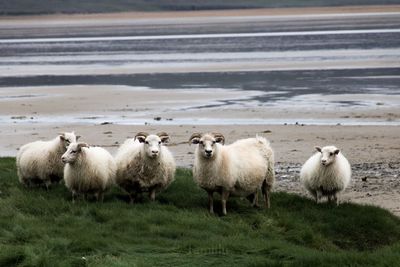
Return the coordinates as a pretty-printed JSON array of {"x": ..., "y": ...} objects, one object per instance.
[
  {"x": 326, "y": 173},
  {"x": 239, "y": 169},
  {"x": 40, "y": 162},
  {"x": 144, "y": 164},
  {"x": 88, "y": 170}
]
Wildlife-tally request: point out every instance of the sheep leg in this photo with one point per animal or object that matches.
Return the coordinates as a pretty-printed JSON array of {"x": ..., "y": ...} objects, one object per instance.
[
  {"x": 99, "y": 196},
  {"x": 73, "y": 197},
  {"x": 211, "y": 201},
  {"x": 224, "y": 198},
  {"x": 319, "y": 196},
  {"x": 265, "y": 190},
  {"x": 253, "y": 198},
  {"x": 336, "y": 199},
  {"x": 152, "y": 194},
  {"x": 47, "y": 183},
  {"x": 132, "y": 198}
]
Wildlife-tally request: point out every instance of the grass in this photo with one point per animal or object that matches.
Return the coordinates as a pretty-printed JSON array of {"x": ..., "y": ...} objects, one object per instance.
[
  {"x": 39, "y": 228},
  {"x": 25, "y": 7}
]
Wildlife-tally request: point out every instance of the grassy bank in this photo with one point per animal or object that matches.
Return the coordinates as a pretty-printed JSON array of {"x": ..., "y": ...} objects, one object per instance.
[
  {"x": 39, "y": 228},
  {"x": 25, "y": 7}
]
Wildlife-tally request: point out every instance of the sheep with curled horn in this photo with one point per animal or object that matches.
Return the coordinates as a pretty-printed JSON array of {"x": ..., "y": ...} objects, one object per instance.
[
  {"x": 238, "y": 169},
  {"x": 145, "y": 164}
]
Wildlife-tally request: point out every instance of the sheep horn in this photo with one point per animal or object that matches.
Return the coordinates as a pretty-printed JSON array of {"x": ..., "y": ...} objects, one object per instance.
[
  {"x": 194, "y": 139},
  {"x": 141, "y": 136},
  {"x": 163, "y": 136},
  {"x": 80, "y": 145},
  {"x": 219, "y": 138}
]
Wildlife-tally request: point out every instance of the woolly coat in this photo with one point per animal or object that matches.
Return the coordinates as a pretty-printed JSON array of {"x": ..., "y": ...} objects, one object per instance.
[
  {"x": 40, "y": 161},
  {"x": 136, "y": 172},
  {"x": 240, "y": 168},
  {"x": 330, "y": 179},
  {"x": 92, "y": 172}
]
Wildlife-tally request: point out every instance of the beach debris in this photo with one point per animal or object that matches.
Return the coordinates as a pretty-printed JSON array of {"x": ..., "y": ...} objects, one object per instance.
[
  {"x": 364, "y": 179},
  {"x": 108, "y": 132},
  {"x": 18, "y": 117},
  {"x": 157, "y": 118},
  {"x": 267, "y": 131},
  {"x": 106, "y": 123}
]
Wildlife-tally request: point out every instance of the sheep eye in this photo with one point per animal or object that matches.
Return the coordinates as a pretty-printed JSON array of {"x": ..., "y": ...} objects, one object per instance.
[
  {"x": 213, "y": 142},
  {"x": 159, "y": 142},
  {"x": 73, "y": 152},
  {"x": 331, "y": 154},
  {"x": 201, "y": 142},
  {"x": 147, "y": 142}
]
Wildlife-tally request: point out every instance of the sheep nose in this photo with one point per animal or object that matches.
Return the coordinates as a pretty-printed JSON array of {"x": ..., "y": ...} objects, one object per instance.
[
  {"x": 323, "y": 161},
  {"x": 154, "y": 151},
  {"x": 208, "y": 151}
]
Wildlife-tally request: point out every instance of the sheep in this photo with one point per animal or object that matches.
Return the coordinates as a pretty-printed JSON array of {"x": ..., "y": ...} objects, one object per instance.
[
  {"x": 326, "y": 173},
  {"x": 40, "y": 162},
  {"x": 238, "y": 169},
  {"x": 88, "y": 170},
  {"x": 144, "y": 164}
]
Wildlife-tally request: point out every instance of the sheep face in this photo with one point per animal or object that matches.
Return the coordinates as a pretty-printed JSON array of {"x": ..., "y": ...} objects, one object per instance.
[
  {"x": 152, "y": 143},
  {"x": 207, "y": 143},
  {"x": 328, "y": 154},
  {"x": 73, "y": 152},
  {"x": 68, "y": 138}
]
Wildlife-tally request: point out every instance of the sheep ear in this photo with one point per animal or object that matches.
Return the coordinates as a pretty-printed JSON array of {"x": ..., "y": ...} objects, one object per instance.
[
  {"x": 62, "y": 137},
  {"x": 80, "y": 145},
  {"x": 318, "y": 149},
  {"x": 164, "y": 137},
  {"x": 336, "y": 151},
  {"x": 141, "y": 136},
  {"x": 195, "y": 138},
  {"x": 77, "y": 137},
  {"x": 219, "y": 138}
]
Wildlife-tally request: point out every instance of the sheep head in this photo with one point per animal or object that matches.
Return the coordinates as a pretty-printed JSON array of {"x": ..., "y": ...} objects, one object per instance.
[
  {"x": 207, "y": 143},
  {"x": 328, "y": 154},
  {"x": 73, "y": 152},
  {"x": 152, "y": 143},
  {"x": 68, "y": 138}
]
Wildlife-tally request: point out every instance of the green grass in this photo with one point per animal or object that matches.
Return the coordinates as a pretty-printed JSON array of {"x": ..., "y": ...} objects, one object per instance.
[
  {"x": 39, "y": 228},
  {"x": 23, "y": 7}
]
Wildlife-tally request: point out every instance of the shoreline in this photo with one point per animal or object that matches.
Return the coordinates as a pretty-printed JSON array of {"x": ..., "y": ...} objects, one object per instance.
[{"x": 214, "y": 13}]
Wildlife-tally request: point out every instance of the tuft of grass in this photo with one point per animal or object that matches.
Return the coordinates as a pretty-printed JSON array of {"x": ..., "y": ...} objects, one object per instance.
[{"x": 40, "y": 228}]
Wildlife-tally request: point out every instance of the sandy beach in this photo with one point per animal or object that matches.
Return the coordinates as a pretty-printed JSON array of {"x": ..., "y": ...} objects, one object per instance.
[
  {"x": 323, "y": 88},
  {"x": 372, "y": 150}
]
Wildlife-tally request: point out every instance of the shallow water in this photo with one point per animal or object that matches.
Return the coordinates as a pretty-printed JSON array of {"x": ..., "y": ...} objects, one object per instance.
[{"x": 318, "y": 63}]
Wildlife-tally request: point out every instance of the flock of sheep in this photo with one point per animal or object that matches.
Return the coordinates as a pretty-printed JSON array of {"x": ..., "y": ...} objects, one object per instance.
[{"x": 144, "y": 164}]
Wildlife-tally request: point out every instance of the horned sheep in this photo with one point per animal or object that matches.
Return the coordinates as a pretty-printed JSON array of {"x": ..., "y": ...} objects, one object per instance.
[
  {"x": 238, "y": 169},
  {"x": 326, "y": 173},
  {"x": 144, "y": 164},
  {"x": 88, "y": 170},
  {"x": 40, "y": 162}
]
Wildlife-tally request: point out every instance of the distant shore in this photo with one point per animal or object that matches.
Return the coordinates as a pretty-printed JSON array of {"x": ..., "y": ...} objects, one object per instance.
[
  {"x": 126, "y": 15},
  {"x": 23, "y": 7}
]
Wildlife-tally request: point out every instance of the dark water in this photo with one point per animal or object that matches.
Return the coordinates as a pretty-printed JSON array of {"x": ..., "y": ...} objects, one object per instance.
[{"x": 285, "y": 84}]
